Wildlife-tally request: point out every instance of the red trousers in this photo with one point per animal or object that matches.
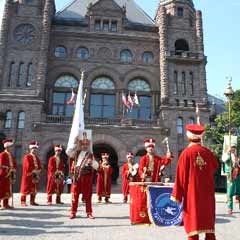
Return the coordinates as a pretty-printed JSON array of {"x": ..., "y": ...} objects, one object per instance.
[
  {"x": 87, "y": 199},
  {"x": 209, "y": 236}
]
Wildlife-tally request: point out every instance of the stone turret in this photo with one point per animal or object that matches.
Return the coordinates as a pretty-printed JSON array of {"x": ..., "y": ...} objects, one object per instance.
[
  {"x": 161, "y": 20},
  {"x": 4, "y": 35},
  {"x": 48, "y": 12},
  {"x": 199, "y": 31}
]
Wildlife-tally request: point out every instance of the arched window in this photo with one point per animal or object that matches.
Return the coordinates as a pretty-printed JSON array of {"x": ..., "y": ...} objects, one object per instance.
[
  {"x": 181, "y": 45},
  {"x": 137, "y": 85},
  {"x": 60, "y": 52},
  {"x": 180, "y": 126},
  {"x": 184, "y": 87},
  {"x": 147, "y": 57},
  {"x": 141, "y": 90},
  {"x": 29, "y": 75},
  {"x": 62, "y": 93},
  {"x": 102, "y": 99},
  {"x": 191, "y": 84},
  {"x": 191, "y": 120},
  {"x": 103, "y": 82},
  {"x": 126, "y": 56},
  {"x": 175, "y": 82},
  {"x": 20, "y": 79},
  {"x": 11, "y": 74},
  {"x": 8, "y": 119},
  {"x": 21, "y": 120},
  {"x": 83, "y": 53}
]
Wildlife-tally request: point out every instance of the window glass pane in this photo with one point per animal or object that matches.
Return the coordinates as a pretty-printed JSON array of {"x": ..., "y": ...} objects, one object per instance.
[
  {"x": 147, "y": 57},
  {"x": 67, "y": 81},
  {"x": 145, "y": 114},
  {"x": 69, "y": 110},
  {"x": 108, "y": 112},
  {"x": 60, "y": 52},
  {"x": 20, "y": 79},
  {"x": 179, "y": 126},
  {"x": 180, "y": 12},
  {"x": 96, "y": 99},
  {"x": 103, "y": 83},
  {"x": 29, "y": 75},
  {"x": 83, "y": 53},
  {"x": 12, "y": 70},
  {"x": 97, "y": 25},
  {"x": 145, "y": 101},
  {"x": 109, "y": 100},
  {"x": 126, "y": 56},
  {"x": 139, "y": 85},
  {"x": 106, "y": 25},
  {"x": 8, "y": 119},
  {"x": 59, "y": 98},
  {"x": 21, "y": 120},
  {"x": 133, "y": 113},
  {"x": 114, "y": 26},
  {"x": 95, "y": 111}
]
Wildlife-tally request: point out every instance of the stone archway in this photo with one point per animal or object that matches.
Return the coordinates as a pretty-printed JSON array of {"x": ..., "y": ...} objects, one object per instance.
[{"x": 113, "y": 158}]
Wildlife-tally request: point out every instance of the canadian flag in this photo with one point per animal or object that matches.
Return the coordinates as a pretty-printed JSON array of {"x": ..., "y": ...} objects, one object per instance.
[
  {"x": 130, "y": 100},
  {"x": 72, "y": 99}
]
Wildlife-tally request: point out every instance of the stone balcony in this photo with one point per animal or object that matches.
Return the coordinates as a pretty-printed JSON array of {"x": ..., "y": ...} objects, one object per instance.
[{"x": 185, "y": 56}]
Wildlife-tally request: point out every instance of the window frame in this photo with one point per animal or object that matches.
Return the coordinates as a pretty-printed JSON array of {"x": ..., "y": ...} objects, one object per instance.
[
  {"x": 21, "y": 120},
  {"x": 62, "y": 54},
  {"x": 8, "y": 119}
]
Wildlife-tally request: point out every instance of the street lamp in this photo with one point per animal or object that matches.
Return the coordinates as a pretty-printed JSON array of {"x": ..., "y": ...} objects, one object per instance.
[{"x": 229, "y": 95}]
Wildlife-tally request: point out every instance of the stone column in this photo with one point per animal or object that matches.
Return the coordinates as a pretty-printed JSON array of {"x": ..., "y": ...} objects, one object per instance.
[
  {"x": 4, "y": 37},
  {"x": 199, "y": 32},
  {"x": 44, "y": 46},
  {"x": 162, "y": 22}
]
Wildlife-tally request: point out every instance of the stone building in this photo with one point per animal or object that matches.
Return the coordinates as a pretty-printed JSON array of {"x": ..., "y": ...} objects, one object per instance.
[{"x": 122, "y": 51}]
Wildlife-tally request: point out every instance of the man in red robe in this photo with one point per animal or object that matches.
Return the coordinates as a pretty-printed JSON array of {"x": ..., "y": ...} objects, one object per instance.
[
  {"x": 30, "y": 175},
  {"x": 56, "y": 171},
  {"x": 104, "y": 179},
  {"x": 8, "y": 167},
  {"x": 194, "y": 185},
  {"x": 151, "y": 165},
  {"x": 129, "y": 174},
  {"x": 82, "y": 166}
]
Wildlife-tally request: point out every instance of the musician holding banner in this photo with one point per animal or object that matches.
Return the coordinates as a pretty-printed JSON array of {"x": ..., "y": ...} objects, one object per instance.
[
  {"x": 129, "y": 174},
  {"x": 8, "y": 169},
  {"x": 194, "y": 185},
  {"x": 56, "y": 171},
  {"x": 82, "y": 166},
  {"x": 151, "y": 165},
  {"x": 30, "y": 175},
  {"x": 231, "y": 169}
]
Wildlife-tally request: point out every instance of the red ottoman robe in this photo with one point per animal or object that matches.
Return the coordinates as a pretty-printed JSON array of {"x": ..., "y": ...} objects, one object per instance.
[
  {"x": 7, "y": 161},
  {"x": 104, "y": 181},
  {"x": 30, "y": 164},
  {"x": 158, "y": 163},
  {"x": 52, "y": 185},
  {"x": 194, "y": 184}
]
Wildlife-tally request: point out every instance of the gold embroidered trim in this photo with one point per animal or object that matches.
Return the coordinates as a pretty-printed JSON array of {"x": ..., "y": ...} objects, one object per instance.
[
  {"x": 200, "y": 162},
  {"x": 200, "y": 231}
]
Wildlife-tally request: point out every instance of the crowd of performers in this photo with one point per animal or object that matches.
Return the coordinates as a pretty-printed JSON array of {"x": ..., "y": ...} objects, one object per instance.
[{"x": 194, "y": 182}]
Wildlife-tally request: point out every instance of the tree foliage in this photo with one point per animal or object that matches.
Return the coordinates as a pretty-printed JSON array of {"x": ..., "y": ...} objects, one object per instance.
[{"x": 214, "y": 135}]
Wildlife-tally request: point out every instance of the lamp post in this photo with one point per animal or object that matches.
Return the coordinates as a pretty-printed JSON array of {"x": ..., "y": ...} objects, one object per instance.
[{"x": 229, "y": 95}]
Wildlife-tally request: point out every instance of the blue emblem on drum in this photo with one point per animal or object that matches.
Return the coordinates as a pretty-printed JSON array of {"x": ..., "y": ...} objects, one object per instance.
[{"x": 164, "y": 211}]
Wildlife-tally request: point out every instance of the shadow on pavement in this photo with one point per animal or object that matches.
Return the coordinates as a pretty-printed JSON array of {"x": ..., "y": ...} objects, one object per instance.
[
  {"x": 32, "y": 215},
  {"x": 222, "y": 220}
]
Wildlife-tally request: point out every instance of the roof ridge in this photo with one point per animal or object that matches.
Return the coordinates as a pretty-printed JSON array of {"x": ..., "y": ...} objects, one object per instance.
[{"x": 67, "y": 6}]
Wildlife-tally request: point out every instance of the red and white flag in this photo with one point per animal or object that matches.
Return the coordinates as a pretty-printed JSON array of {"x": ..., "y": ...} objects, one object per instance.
[
  {"x": 72, "y": 99},
  {"x": 130, "y": 101},
  {"x": 125, "y": 101}
]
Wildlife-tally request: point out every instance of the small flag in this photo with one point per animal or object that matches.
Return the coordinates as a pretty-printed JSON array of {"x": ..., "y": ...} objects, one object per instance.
[
  {"x": 198, "y": 114},
  {"x": 72, "y": 99},
  {"x": 125, "y": 101},
  {"x": 135, "y": 99},
  {"x": 130, "y": 101}
]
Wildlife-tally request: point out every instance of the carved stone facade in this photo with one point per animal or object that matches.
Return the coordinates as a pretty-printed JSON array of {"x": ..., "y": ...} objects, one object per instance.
[{"x": 109, "y": 41}]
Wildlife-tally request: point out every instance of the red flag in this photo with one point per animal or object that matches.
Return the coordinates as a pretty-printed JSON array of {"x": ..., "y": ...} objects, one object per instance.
[
  {"x": 72, "y": 99},
  {"x": 130, "y": 101}
]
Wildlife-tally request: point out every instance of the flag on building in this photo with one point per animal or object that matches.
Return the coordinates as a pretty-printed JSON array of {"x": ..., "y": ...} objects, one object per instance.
[
  {"x": 72, "y": 99},
  {"x": 198, "y": 115},
  {"x": 78, "y": 120},
  {"x": 130, "y": 101},
  {"x": 125, "y": 101},
  {"x": 135, "y": 99}
]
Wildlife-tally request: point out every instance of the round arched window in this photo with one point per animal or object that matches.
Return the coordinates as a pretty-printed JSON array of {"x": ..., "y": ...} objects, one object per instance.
[
  {"x": 126, "y": 56},
  {"x": 139, "y": 85},
  {"x": 60, "y": 52},
  {"x": 83, "y": 53},
  {"x": 66, "y": 81},
  {"x": 147, "y": 57},
  {"x": 103, "y": 83}
]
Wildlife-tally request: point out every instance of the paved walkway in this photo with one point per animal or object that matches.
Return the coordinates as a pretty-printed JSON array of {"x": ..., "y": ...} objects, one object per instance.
[{"x": 111, "y": 222}]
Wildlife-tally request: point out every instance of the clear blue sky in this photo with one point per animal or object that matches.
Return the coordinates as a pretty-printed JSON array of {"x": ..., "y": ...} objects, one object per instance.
[{"x": 221, "y": 36}]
